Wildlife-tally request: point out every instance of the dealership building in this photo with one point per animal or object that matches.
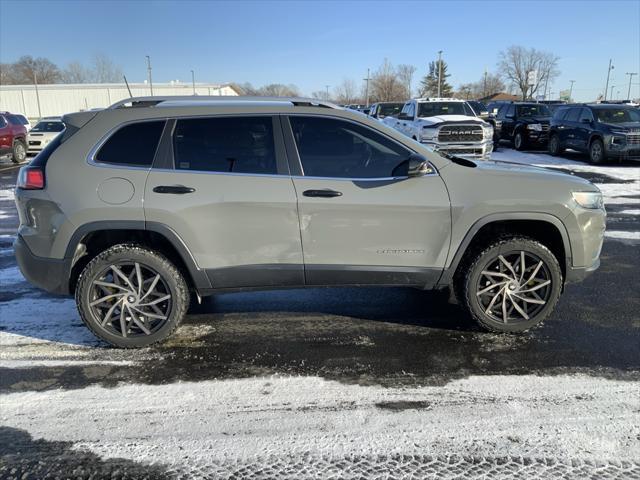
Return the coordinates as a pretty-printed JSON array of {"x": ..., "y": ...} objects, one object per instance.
[{"x": 58, "y": 99}]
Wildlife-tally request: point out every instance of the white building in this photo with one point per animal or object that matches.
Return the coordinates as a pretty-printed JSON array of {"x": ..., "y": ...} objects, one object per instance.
[{"x": 58, "y": 99}]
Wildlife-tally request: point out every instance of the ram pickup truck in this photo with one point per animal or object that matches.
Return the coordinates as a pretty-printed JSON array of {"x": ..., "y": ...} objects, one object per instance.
[{"x": 448, "y": 125}]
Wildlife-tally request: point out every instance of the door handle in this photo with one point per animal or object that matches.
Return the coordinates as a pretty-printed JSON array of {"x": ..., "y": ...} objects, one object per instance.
[
  {"x": 321, "y": 193},
  {"x": 174, "y": 189}
]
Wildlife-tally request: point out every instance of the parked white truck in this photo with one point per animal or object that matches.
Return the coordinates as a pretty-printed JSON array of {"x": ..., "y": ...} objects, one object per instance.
[{"x": 446, "y": 124}]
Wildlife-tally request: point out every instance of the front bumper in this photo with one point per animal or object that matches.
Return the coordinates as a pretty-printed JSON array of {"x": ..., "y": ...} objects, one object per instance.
[
  {"x": 537, "y": 137},
  {"x": 578, "y": 274},
  {"x": 472, "y": 150},
  {"x": 624, "y": 150},
  {"x": 50, "y": 274}
]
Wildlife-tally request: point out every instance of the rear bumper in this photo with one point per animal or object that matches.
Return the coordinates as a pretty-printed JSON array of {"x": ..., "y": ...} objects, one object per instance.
[{"x": 50, "y": 274}]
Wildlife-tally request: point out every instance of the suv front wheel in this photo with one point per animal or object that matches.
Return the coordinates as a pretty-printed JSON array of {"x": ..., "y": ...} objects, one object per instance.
[
  {"x": 519, "y": 141},
  {"x": 596, "y": 151},
  {"x": 18, "y": 152},
  {"x": 512, "y": 285},
  {"x": 131, "y": 296}
]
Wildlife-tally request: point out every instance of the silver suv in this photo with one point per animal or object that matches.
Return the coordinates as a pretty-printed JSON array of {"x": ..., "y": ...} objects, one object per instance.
[{"x": 136, "y": 208}]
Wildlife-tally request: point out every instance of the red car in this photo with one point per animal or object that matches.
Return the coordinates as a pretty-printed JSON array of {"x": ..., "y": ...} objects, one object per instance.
[{"x": 13, "y": 137}]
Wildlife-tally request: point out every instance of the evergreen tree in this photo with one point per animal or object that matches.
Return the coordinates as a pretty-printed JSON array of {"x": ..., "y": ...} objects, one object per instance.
[{"x": 429, "y": 83}]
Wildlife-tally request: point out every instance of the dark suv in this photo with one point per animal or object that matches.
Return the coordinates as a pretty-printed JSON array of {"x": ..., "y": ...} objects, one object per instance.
[
  {"x": 601, "y": 130},
  {"x": 524, "y": 124},
  {"x": 13, "y": 135}
]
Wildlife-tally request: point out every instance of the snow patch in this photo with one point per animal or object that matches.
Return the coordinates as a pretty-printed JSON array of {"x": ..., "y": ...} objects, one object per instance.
[
  {"x": 631, "y": 211},
  {"x": 7, "y": 194},
  {"x": 622, "y": 235}
]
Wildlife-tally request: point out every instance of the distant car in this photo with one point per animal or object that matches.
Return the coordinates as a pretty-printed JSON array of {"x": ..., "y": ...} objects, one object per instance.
[
  {"x": 381, "y": 110},
  {"x": 479, "y": 108},
  {"x": 604, "y": 131},
  {"x": 45, "y": 130},
  {"x": 525, "y": 124},
  {"x": 17, "y": 118},
  {"x": 493, "y": 107},
  {"x": 13, "y": 136},
  {"x": 355, "y": 106}
]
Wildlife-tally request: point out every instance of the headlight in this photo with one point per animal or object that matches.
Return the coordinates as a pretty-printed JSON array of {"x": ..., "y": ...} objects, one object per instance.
[
  {"x": 535, "y": 126},
  {"x": 488, "y": 132},
  {"x": 427, "y": 133},
  {"x": 591, "y": 200}
]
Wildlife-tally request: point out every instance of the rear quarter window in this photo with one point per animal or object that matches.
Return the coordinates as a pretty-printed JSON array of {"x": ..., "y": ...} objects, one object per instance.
[{"x": 132, "y": 145}]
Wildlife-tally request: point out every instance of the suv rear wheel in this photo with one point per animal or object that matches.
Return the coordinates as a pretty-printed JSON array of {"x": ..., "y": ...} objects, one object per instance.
[
  {"x": 131, "y": 296},
  {"x": 19, "y": 151},
  {"x": 512, "y": 285}
]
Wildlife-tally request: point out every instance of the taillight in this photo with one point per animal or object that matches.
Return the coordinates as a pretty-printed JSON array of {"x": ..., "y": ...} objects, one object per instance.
[{"x": 31, "y": 178}]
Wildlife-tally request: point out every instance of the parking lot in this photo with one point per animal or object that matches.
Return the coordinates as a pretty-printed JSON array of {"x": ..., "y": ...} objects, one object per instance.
[{"x": 334, "y": 383}]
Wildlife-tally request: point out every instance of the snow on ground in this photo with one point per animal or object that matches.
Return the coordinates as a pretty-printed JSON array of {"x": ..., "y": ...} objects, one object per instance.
[
  {"x": 270, "y": 420},
  {"x": 7, "y": 194}
]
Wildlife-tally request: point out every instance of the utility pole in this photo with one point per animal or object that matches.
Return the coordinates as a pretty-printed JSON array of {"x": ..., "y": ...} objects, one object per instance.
[
  {"x": 327, "y": 94},
  {"x": 631, "y": 74},
  {"x": 149, "y": 73},
  {"x": 439, "y": 72},
  {"x": 606, "y": 88},
  {"x": 611, "y": 95},
  {"x": 367, "y": 89},
  {"x": 484, "y": 85},
  {"x": 35, "y": 83},
  {"x": 571, "y": 88},
  {"x": 193, "y": 81}
]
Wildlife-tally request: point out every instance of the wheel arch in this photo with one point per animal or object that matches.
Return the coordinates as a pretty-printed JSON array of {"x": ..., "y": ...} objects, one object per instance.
[
  {"x": 90, "y": 239},
  {"x": 546, "y": 228}
]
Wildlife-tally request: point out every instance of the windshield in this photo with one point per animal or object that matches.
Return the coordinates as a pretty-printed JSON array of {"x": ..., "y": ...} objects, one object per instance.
[
  {"x": 478, "y": 107},
  {"x": 390, "y": 109},
  {"x": 48, "y": 127},
  {"x": 533, "y": 111},
  {"x": 617, "y": 115},
  {"x": 432, "y": 109}
]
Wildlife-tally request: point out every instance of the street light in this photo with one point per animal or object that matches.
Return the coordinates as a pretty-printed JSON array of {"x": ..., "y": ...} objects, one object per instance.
[
  {"x": 149, "y": 73},
  {"x": 193, "y": 81},
  {"x": 439, "y": 72},
  {"x": 607, "y": 85},
  {"x": 571, "y": 88},
  {"x": 327, "y": 94},
  {"x": 367, "y": 80},
  {"x": 631, "y": 74}
]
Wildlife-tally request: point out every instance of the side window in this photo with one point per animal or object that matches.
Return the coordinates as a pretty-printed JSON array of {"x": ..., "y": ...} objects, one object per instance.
[
  {"x": 468, "y": 110},
  {"x": 573, "y": 115},
  {"x": 3, "y": 122},
  {"x": 405, "y": 109},
  {"x": 511, "y": 110},
  {"x": 335, "y": 148},
  {"x": 133, "y": 145},
  {"x": 411, "y": 111},
  {"x": 585, "y": 114},
  {"x": 225, "y": 144},
  {"x": 560, "y": 114}
]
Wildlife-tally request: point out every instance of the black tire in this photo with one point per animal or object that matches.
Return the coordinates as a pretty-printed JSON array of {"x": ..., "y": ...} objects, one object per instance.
[
  {"x": 554, "y": 146},
  {"x": 597, "y": 155},
  {"x": 170, "y": 280},
  {"x": 472, "y": 285},
  {"x": 18, "y": 151},
  {"x": 519, "y": 141}
]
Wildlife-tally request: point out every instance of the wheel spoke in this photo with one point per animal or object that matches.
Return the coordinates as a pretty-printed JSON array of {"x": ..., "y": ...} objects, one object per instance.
[
  {"x": 138, "y": 322},
  {"x": 107, "y": 317},
  {"x": 109, "y": 285},
  {"x": 493, "y": 300},
  {"x": 104, "y": 299},
  {"x": 155, "y": 302},
  {"x": 150, "y": 315},
  {"x": 529, "y": 300},
  {"x": 535, "y": 272},
  {"x": 123, "y": 323},
  {"x": 151, "y": 287},
  {"x": 496, "y": 274},
  {"x": 537, "y": 287},
  {"x": 119, "y": 273},
  {"x": 509, "y": 266},
  {"x": 518, "y": 308},
  {"x": 139, "y": 277},
  {"x": 522, "y": 266},
  {"x": 505, "y": 314},
  {"x": 490, "y": 287}
]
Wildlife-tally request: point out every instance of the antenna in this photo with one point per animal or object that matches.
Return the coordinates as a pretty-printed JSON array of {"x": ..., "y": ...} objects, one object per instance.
[{"x": 127, "y": 84}]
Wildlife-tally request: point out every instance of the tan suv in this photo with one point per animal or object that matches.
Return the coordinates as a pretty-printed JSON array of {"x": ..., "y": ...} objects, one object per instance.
[{"x": 174, "y": 197}]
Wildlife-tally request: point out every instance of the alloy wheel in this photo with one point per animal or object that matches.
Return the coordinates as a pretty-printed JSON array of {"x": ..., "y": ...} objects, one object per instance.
[
  {"x": 514, "y": 287},
  {"x": 130, "y": 299},
  {"x": 596, "y": 152},
  {"x": 20, "y": 152}
]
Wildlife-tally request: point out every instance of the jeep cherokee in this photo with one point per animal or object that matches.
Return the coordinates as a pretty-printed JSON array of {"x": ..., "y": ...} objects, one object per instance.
[{"x": 136, "y": 208}]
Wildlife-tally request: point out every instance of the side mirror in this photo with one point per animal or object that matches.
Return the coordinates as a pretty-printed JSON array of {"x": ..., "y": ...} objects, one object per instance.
[
  {"x": 415, "y": 166},
  {"x": 404, "y": 116},
  {"x": 510, "y": 116},
  {"x": 586, "y": 120}
]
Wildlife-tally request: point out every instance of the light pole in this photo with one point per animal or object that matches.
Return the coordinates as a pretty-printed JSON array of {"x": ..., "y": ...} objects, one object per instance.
[
  {"x": 606, "y": 88},
  {"x": 484, "y": 85},
  {"x": 367, "y": 89},
  {"x": 35, "y": 83},
  {"x": 439, "y": 72},
  {"x": 149, "y": 73},
  {"x": 327, "y": 94},
  {"x": 193, "y": 81},
  {"x": 631, "y": 74},
  {"x": 611, "y": 96},
  {"x": 571, "y": 88}
]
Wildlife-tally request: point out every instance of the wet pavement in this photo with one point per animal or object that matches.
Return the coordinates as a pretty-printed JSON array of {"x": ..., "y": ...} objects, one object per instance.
[{"x": 388, "y": 337}]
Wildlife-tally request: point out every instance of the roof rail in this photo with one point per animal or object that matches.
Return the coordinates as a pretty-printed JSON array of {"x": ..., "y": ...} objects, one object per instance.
[{"x": 141, "y": 102}]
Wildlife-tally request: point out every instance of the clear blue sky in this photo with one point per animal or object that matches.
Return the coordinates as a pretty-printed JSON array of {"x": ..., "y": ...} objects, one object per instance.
[{"x": 312, "y": 44}]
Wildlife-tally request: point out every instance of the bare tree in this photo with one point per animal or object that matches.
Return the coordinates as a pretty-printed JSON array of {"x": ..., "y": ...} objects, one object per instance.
[
  {"x": 386, "y": 85},
  {"x": 516, "y": 63},
  {"x": 104, "y": 70},
  {"x": 319, "y": 94},
  {"x": 489, "y": 84},
  {"x": 405, "y": 73},
  {"x": 76, "y": 73},
  {"x": 346, "y": 92},
  {"x": 279, "y": 90},
  {"x": 28, "y": 69}
]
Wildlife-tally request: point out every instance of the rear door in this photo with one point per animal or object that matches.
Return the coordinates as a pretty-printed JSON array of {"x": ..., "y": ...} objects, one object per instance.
[
  {"x": 362, "y": 220},
  {"x": 5, "y": 135},
  {"x": 225, "y": 190},
  {"x": 571, "y": 126},
  {"x": 583, "y": 129}
]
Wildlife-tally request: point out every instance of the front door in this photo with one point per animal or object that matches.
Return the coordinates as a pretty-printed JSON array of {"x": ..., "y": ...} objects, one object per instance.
[
  {"x": 362, "y": 220},
  {"x": 227, "y": 193}
]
